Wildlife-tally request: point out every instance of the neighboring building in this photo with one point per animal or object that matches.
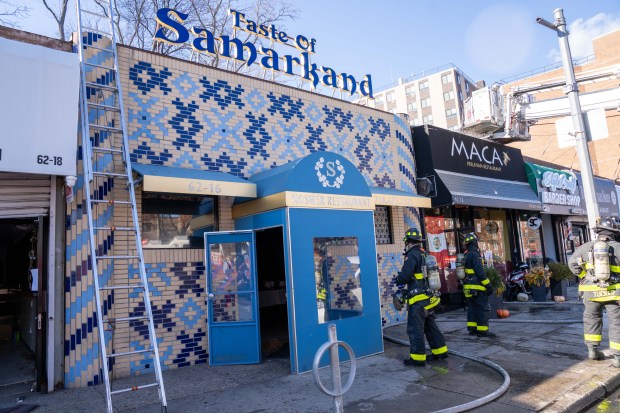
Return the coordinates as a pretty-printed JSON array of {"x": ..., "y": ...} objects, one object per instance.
[
  {"x": 549, "y": 138},
  {"x": 434, "y": 98}
]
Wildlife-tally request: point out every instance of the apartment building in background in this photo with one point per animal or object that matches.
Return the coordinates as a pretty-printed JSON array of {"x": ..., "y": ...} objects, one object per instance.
[{"x": 433, "y": 97}]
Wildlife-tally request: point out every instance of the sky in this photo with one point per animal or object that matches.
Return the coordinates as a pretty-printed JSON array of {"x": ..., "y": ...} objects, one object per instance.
[{"x": 392, "y": 39}]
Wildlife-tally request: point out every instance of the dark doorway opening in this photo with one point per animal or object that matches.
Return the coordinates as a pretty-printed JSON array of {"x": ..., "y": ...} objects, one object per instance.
[
  {"x": 19, "y": 250},
  {"x": 273, "y": 307}
]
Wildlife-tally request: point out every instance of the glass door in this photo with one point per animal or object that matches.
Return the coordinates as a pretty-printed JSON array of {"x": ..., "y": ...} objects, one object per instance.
[{"x": 231, "y": 296}]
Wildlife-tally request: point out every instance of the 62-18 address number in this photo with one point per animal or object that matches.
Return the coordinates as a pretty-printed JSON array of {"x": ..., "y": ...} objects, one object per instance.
[{"x": 49, "y": 160}]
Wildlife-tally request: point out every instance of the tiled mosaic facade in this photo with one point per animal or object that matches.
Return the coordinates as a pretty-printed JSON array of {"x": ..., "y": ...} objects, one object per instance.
[{"x": 185, "y": 115}]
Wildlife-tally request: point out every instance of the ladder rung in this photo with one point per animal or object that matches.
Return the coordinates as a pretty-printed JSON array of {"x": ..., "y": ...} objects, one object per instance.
[
  {"x": 114, "y": 228},
  {"x": 103, "y": 49},
  {"x": 92, "y": 13},
  {"x": 124, "y": 319},
  {"x": 104, "y": 107},
  {"x": 95, "y": 30},
  {"x": 134, "y": 388},
  {"x": 99, "y": 66},
  {"x": 106, "y": 128},
  {"x": 123, "y": 287},
  {"x": 130, "y": 353},
  {"x": 100, "y": 86},
  {"x": 117, "y": 257},
  {"x": 111, "y": 201},
  {"x": 99, "y": 173},
  {"x": 106, "y": 150}
]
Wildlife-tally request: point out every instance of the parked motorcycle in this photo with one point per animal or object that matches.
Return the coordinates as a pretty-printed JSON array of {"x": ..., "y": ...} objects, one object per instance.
[{"x": 516, "y": 282}]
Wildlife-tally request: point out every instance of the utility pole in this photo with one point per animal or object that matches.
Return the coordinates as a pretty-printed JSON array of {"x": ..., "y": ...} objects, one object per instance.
[{"x": 581, "y": 140}]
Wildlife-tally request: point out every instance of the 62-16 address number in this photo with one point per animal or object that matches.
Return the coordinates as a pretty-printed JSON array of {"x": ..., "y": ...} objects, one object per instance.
[{"x": 49, "y": 160}]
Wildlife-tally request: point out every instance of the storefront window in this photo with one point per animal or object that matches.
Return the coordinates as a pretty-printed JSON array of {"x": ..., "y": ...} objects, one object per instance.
[
  {"x": 490, "y": 227},
  {"x": 338, "y": 278},
  {"x": 441, "y": 243},
  {"x": 383, "y": 225},
  {"x": 531, "y": 241},
  {"x": 176, "y": 221}
]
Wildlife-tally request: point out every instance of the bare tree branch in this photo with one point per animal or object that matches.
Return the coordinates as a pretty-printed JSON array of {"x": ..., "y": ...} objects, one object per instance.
[
  {"x": 10, "y": 12},
  {"x": 59, "y": 16}
]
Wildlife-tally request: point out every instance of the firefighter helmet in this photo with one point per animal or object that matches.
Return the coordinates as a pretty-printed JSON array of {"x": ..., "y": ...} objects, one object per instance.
[
  {"x": 469, "y": 238},
  {"x": 413, "y": 234},
  {"x": 607, "y": 226}
]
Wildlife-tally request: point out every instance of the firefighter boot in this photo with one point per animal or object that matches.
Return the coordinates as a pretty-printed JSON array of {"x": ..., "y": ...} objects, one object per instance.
[
  {"x": 595, "y": 354},
  {"x": 616, "y": 360}
]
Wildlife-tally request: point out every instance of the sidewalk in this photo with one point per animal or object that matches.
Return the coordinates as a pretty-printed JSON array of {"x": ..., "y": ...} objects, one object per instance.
[{"x": 546, "y": 364}]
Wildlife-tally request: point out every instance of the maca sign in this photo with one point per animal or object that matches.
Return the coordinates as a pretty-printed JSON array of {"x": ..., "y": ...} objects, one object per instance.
[{"x": 232, "y": 48}]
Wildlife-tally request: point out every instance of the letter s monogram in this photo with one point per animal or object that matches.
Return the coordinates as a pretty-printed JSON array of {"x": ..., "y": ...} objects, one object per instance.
[{"x": 330, "y": 169}]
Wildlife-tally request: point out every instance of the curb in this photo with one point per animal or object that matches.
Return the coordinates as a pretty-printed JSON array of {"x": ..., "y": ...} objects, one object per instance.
[{"x": 586, "y": 394}]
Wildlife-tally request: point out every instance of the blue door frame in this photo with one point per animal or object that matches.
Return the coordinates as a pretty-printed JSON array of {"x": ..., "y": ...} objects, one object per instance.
[{"x": 233, "y": 323}]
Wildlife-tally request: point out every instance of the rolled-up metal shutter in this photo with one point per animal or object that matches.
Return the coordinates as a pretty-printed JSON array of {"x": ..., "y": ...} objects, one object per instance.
[{"x": 24, "y": 195}]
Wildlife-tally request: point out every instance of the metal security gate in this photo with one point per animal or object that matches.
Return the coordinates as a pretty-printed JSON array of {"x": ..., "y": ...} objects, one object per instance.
[{"x": 24, "y": 195}]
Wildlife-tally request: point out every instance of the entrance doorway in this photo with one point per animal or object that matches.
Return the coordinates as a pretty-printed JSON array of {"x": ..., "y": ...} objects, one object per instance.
[
  {"x": 20, "y": 256},
  {"x": 273, "y": 308}
]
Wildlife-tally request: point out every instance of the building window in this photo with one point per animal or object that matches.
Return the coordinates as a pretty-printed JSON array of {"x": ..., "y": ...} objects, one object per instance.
[
  {"x": 383, "y": 225},
  {"x": 445, "y": 79},
  {"x": 378, "y": 100},
  {"x": 389, "y": 97},
  {"x": 454, "y": 128},
  {"x": 450, "y": 113},
  {"x": 410, "y": 91},
  {"x": 411, "y": 107},
  {"x": 424, "y": 85},
  {"x": 176, "y": 221},
  {"x": 467, "y": 87},
  {"x": 337, "y": 277},
  {"x": 427, "y": 120},
  {"x": 460, "y": 96},
  {"x": 448, "y": 96},
  {"x": 414, "y": 122},
  {"x": 458, "y": 78},
  {"x": 425, "y": 102}
]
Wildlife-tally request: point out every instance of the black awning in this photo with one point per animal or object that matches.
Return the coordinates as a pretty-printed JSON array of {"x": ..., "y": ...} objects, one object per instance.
[{"x": 487, "y": 192}]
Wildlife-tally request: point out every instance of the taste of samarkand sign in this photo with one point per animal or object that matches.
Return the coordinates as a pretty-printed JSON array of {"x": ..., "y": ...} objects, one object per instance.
[{"x": 174, "y": 32}]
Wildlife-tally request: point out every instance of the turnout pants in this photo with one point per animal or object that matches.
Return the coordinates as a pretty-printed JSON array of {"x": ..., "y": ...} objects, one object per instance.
[
  {"x": 421, "y": 323},
  {"x": 478, "y": 313},
  {"x": 593, "y": 324}
]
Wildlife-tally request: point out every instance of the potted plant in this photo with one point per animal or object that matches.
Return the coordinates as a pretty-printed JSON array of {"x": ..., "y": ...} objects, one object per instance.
[
  {"x": 538, "y": 279},
  {"x": 496, "y": 299},
  {"x": 560, "y": 274}
]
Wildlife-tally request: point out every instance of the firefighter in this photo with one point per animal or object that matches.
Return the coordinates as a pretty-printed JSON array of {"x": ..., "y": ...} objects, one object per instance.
[
  {"x": 477, "y": 289},
  {"x": 421, "y": 302},
  {"x": 597, "y": 264}
]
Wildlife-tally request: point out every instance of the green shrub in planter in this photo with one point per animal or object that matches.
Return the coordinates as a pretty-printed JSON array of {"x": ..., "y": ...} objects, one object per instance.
[
  {"x": 560, "y": 271},
  {"x": 495, "y": 279}
]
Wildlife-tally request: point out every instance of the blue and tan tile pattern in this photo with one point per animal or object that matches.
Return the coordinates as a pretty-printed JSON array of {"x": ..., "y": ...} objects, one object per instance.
[{"x": 185, "y": 115}]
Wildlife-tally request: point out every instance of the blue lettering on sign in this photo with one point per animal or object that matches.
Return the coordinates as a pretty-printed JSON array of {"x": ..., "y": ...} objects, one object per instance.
[{"x": 232, "y": 48}]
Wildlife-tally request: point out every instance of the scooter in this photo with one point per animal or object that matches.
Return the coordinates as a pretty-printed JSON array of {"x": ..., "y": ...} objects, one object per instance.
[{"x": 516, "y": 282}]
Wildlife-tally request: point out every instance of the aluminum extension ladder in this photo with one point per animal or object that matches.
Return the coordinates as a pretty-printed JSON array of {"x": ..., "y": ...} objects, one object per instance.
[{"x": 116, "y": 256}]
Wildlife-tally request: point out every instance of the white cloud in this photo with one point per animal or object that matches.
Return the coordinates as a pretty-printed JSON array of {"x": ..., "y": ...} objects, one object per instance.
[{"x": 581, "y": 32}]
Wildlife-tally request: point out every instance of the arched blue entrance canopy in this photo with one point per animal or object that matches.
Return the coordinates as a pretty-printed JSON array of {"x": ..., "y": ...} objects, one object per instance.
[{"x": 325, "y": 209}]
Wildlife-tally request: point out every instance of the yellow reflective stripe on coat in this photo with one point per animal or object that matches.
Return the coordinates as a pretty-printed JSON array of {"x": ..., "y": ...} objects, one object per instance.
[
  {"x": 434, "y": 302},
  {"x": 471, "y": 324},
  {"x": 418, "y": 276},
  {"x": 485, "y": 282},
  {"x": 469, "y": 271},
  {"x": 439, "y": 350},
  {"x": 592, "y": 337},
  {"x": 418, "y": 357},
  {"x": 582, "y": 274},
  {"x": 614, "y": 345},
  {"x": 591, "y": 287},
  {"x": 419, "y": 297},
  {"x": 474, "y": 287},
  {"x": 614, "y": 268}
]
